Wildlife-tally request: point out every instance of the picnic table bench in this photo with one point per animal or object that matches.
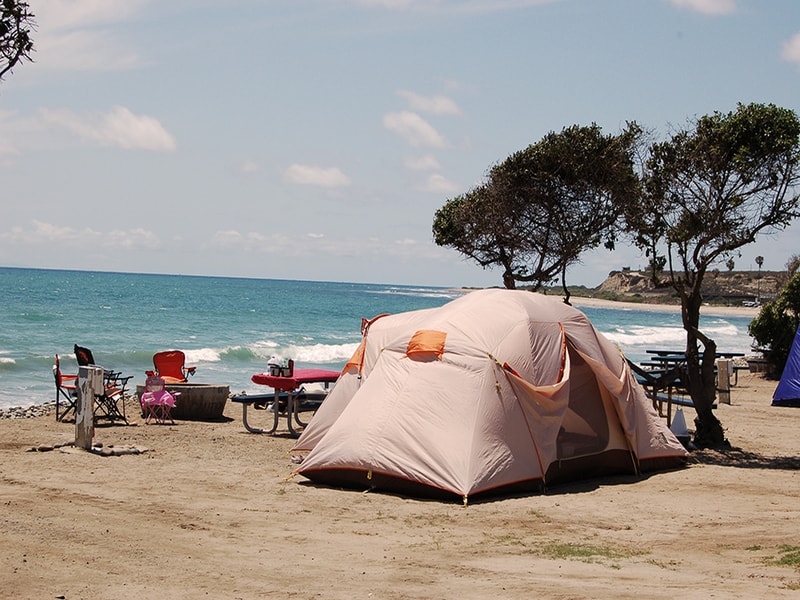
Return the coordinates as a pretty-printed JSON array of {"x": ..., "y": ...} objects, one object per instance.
[
  {"x": 661, "y": 377},
  {"x": 289, "y": 396}
]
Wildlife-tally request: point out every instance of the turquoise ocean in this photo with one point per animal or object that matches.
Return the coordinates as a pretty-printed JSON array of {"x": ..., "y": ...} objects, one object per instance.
[{"x": 229, "y": 327}]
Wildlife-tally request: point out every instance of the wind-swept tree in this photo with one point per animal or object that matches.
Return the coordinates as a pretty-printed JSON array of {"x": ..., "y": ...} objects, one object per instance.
[
  {"x": 643, "y": 221},
  {"x": 480, "y": 226},
  {"x": 542, "y": 207},
  {"x": 717, "y": 185},
  {"x": 16, "y": 44}
]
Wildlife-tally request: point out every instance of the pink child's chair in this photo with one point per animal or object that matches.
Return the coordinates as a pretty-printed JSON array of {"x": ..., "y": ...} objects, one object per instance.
[{"x": 157, "y": 402}]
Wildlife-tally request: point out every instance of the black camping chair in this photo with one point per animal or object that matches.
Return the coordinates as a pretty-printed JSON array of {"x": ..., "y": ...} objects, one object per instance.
[{"x": 115, "y": 385}]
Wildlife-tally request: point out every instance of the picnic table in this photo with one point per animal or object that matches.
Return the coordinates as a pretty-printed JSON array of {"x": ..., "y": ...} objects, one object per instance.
[
  {"x": 287, "y": 396},
  {"x": 666, "y": 359},
  {"x": 677, "y": 353},
  {"x": 661, "y": 375}
]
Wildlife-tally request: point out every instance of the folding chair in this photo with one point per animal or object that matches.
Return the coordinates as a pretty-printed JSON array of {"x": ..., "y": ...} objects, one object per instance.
[
  {"x": 85, "y": 358},
  {"x": 107, "y": 406},
  {"x": 171, "y": 366},
  {"x": 157, "y": 402},
  {"x": 66, "y": 392}
]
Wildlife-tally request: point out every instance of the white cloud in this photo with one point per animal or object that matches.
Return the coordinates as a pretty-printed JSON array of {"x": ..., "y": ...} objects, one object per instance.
[
  {"x": 119, "y": 127},
  {"x": 83, "y": 51},
  {"x": 76, "y": 34},
  {"x": 453, "y": 6},
  {"x": 422, "y": 163},
  {"x": 388, "y": 3},
  {"x": 232, "y": 239},
  {"x": 17, "y": 133},
  {"x": 331, "y": 177},
  {"x": 138, "y": 238},
  {"x": 248, "y": 167},
  {"x": 7, "y": 147},
  {"x": 440, "y": 105},
  {"x": 65, "y": 14},
  {"x": 43, "y": 233},
  {"x": 414, "y": 129},
  {"x": 791, "y": 50},
  {"x": 707, "y": 7},
  {"x": 438, "y": 184},
  {"x": 227, "y": 238}
]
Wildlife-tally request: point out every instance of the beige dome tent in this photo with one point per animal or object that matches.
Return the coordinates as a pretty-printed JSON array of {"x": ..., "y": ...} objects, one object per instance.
[{"x": 498, "y": 391}]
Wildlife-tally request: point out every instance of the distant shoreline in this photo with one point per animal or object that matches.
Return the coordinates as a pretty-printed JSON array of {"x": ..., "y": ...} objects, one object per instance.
[{"x": 707, "y": 309}]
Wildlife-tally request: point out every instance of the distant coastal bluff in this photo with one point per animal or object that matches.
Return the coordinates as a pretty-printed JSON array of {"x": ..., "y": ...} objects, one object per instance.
[{"x": 730, "y": 288}]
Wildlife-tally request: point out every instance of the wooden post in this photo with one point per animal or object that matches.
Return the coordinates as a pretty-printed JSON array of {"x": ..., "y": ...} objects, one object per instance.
[
  {"x": 90, "y": 384},
  {"x": 724, "y": 380}
]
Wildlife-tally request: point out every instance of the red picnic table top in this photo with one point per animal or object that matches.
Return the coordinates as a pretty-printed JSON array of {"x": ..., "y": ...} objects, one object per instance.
[{"x": 298, "y": 378}]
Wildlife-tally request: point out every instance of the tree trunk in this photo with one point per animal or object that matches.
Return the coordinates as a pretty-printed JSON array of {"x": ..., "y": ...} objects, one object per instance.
[
  {"x": 564, "y": 287},
  {"x": 700, "y": 377},
  {"x": 508, "y": 280}
]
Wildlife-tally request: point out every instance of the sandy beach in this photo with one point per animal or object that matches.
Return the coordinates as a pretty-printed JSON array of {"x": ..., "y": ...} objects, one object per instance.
[
  {"x": 211, "y": 510},
  {"x": 723, "y": 311}
]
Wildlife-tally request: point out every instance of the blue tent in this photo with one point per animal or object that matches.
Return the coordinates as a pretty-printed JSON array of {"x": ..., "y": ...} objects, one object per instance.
[{"x": 788, "y": 391}]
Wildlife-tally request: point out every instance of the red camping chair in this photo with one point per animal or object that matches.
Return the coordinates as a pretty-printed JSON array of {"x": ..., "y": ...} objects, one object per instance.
[
  {"x": 66, "y": 392},
  {"x": 171, "y": 366}
]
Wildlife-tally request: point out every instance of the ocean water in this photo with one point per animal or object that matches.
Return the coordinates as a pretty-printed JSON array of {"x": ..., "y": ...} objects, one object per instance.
[{"x": 229, "y": 327}]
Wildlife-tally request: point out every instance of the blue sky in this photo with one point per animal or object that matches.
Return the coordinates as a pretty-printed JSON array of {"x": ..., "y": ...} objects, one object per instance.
[{"x": 315, "y": 139}]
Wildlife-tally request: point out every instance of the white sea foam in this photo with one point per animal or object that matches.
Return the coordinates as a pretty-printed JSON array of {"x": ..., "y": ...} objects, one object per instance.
[
  {"x": 634, "y": 340},
  {"x": 421, "y": 292},
  {"x": 322, "y": 353},
  {"x": 201, "y": 355},
  {"x": 647, "y": 336},
  {"x": 305, "y": 353}
]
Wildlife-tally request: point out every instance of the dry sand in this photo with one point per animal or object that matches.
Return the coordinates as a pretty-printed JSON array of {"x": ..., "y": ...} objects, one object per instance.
[
  {"x": 213, "y": 511},
  {"x": 708, "y": 309}
]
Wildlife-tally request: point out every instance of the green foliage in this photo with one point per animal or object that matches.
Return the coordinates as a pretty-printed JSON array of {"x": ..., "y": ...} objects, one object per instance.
[
  {"x": 480, "y": 228},
  {"x": 790, "y": 556},
  {"x": 542, "y": 207},
  {"x": 793, "y": 264},
  {"x": 775, "y": 326},
  {"x": 698, "y": 198},
  {"x": 16, "y": 44},
  {"x": 715, "y": 187},
  {"x": 720, "y": 184}
]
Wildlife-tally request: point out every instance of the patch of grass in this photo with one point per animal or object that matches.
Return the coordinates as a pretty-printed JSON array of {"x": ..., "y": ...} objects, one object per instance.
[
  {"x": 789, "y": 557},
  {"x": 516, "y": 543},
  {"x": 508, "y": 539},
  {"x": 584, "y": 552},
  {"x": 671, "y": 565},
  {"x": 792, "y": 585},
  {"x": 429, "y": 520},
  {"x": 539, "y": 515}
]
